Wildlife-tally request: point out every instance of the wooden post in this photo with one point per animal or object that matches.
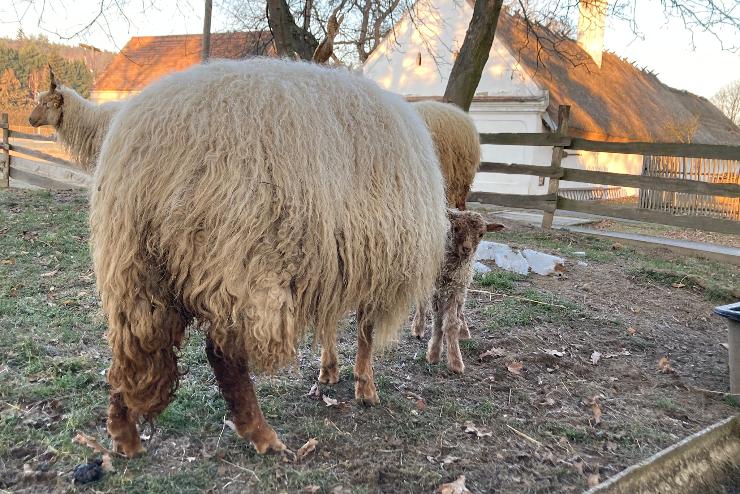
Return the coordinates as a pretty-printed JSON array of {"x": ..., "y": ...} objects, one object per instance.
[
  {"x": 5, "y": 170},
  {"x": 205, "y": 50},
  {"x": 557, "y": 157}
]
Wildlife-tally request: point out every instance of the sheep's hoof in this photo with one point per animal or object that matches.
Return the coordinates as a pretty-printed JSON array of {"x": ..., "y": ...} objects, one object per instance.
[
  {"x": 418, "y": 332},
  {"x": 366, "y": 393},
  {"x": 456, "y": 366},
  {"x": 433, "y": 356},
  {"x": 129, "y": 450},
  {"x": 267, "y": 442},
  {"x": 329, "y": 375}
]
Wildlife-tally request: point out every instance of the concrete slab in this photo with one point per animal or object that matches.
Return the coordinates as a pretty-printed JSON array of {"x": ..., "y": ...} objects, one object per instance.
[
  {"x": 535, "y": 219},
  {"x": 711, "y": 251}
]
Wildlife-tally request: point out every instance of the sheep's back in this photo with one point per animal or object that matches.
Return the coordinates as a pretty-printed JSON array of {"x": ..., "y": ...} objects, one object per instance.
[{"x": 242, "y": 175}]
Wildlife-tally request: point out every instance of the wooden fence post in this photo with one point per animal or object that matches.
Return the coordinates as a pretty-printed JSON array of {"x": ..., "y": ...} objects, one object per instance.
[
  {"x": 5, "y": 171},
  {"x": 557, "y": 157}
]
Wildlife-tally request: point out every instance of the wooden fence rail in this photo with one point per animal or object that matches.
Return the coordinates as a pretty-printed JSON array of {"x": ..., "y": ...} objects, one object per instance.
[
  {"x": 34, "y": 167},
  {"x": 560, "y": 142}
]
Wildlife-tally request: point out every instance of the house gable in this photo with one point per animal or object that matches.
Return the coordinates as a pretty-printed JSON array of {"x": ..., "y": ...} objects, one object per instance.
[{"x": 416, "y": 57}]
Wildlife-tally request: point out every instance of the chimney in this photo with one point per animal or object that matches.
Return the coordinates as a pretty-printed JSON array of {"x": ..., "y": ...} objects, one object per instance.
[{"x": 591, "y": 22}]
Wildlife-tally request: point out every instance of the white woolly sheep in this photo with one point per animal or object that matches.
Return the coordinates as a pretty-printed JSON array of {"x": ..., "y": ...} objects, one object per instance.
[
  {"x": 80, "y": 124},
  {"x": 457, "y": 145},
  {"x": 448, "y": 301},
  {"x": 257, "y": 198}
]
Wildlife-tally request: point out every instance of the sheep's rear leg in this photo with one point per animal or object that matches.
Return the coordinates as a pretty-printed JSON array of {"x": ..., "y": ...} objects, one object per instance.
[
  {"x": 122, "y": 427},
  {"x": 365, "y": 391},
  {"x": 464, "y": 330},
  {"x": 451, "y": 327},
  {"x": 434, "y": 348},
  {"x": 420, "y": 319},
  {"x": 329, "y": 373},
  {"x": 236, "y": 386}
]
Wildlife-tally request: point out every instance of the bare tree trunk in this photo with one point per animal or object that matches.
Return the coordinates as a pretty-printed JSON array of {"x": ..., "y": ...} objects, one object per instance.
[
  {"x": 468, "y": 67},
  {"x": 289, "y": 38},
  {"x": 205, "y": 50}
]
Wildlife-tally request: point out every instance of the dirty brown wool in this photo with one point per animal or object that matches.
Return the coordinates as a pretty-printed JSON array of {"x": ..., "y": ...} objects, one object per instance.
[
  {"x": 448, "y": 301},
  {"x": 258, "y": 198}
]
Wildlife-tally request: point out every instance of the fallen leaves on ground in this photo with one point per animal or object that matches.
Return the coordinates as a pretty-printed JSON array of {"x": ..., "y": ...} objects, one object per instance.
[
  {"x": 595, "y": 357},
  {"x": 515, "y": 367},
  {"x": 314, "y": 392},
  {"x": 622, "y": 353},
  {"x": 306, "y": 449},
  {"x": 7, "y": 262},
  {"x": 631, "y": 331},
  {"x": 471, "y": 428},
  {"x": 593, "y": 480},
  {"x": 311, "y": 489},
  {"x": 90, "y": 442},
  {"x": 596, "y": 409},
  {"x": 677, "y": 285},
  {"x": 492, "y": 352},
  {"x": 456, "y": 487},
  {"x": 330, "y": 402},
  {"x": 664, "y": 367},
  {"x": 554, "y": 353}
]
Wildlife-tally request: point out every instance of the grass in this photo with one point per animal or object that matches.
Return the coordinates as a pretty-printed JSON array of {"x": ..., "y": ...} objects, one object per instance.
[{"x": 54, "y": 358}]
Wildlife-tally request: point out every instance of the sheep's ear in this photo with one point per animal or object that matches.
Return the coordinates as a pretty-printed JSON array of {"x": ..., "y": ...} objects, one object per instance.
[{"x": 52, "y": 80}]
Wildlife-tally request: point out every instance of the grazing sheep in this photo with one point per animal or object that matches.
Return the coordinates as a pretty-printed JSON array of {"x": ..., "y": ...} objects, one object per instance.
[
  {"x": 448, "y": 301},
  {"x": 80, "y": 124},
  {"x": 457, "y": 145},
  {"x": 257, "y": 199}
]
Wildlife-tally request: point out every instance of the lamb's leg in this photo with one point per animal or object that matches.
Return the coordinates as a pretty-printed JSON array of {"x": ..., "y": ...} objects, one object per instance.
[
  {"x": 329, "y": 373},
  {"x": 365, "y": 391},
  {"x": 451, "y": 324},
  {"x": 236, "y": 386},
  {"x": 122, "y": 427},
  {"x": 464, "y": 330},
  {"x": 420, "y": 319},
  {"x": 434, "y": 349}
]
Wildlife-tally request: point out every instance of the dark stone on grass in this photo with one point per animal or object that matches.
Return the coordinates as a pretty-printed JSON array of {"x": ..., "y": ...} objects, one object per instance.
[{"x": 88, "y": 472}]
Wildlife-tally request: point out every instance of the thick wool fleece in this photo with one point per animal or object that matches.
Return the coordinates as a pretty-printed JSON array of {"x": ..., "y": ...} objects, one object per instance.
[{"x": 259, "y": 198}]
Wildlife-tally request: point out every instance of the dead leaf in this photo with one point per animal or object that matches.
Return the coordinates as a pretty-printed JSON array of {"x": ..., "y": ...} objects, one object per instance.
[
  {"x": 554, "y": 353},
  {"x": 548, "y": 401},
  {"x": 596, "y": 409},
  {"x": 579, "y": 467},
  {"x": 471, "y": 428},
  {"x": 314, "y": 392},
  {"x": 631, "y": 331},
  {"x": 593, "y": 480},
  {"x": 595, "y": 357},
  {"x": 623, "y": 353},
  {"x": 515, "y": 367},
  {"x": 306, "y": 449},
  {"x": 448, "y": 460},
  {"x": 330, "y": 402},
  {"x": 311, "y": 489},
  {"x": 677, "y": 285},
  {"x": 664, "y": 367},
  {"x": 421, "y": 404},
  {"x": 49, "y": 274},
  {"x": 456, "y": 487},
  {"x": 610, "y": 446},
  {"x": 7, "y": 262},
  {"x": 107, "y": 464},
  {"x": 492, "y": 352},
  {"x": 90, "y": 442},
  {"x": 28, "y": 472}
]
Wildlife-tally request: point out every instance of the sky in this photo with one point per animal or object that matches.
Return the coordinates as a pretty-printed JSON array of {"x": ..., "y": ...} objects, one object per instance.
[{"x": 662, "y": 45}]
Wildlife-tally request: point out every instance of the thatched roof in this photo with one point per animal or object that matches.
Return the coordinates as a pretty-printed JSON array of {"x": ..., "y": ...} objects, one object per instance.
[
  {"x": 147, "y": 58},
  {"x": 617, "y": 101}
]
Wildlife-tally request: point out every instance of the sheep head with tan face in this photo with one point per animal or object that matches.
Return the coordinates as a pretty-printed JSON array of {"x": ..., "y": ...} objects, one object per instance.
[{"x": 48, "y": 111}]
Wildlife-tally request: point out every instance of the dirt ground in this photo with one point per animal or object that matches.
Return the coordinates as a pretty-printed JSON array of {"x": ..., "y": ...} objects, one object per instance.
[{"x": 564, "y": 383}]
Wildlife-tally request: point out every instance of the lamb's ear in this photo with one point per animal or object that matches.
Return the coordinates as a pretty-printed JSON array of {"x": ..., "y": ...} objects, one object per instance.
[{"x": 52, "y": 80}]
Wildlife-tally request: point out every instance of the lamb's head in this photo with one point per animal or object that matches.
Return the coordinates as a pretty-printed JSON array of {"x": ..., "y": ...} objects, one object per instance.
[
  {"x": 48, "y": 111},
  {"x": 466, "y": 231}
]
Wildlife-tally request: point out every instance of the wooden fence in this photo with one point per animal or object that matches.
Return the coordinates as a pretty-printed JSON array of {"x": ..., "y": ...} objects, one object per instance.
[
  {"x": 561, "y": 141},
  {"x": 34, "y": 167},
  {"x": 22, "y": 163},
  {"x": 705, "y": 170}
]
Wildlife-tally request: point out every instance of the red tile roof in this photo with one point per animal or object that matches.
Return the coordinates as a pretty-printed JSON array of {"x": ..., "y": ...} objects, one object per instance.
[{"x": 145, "y": 59}]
